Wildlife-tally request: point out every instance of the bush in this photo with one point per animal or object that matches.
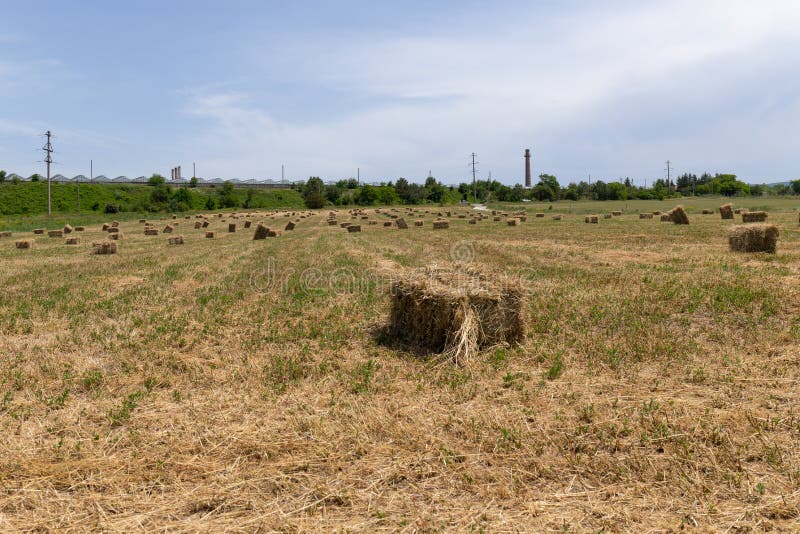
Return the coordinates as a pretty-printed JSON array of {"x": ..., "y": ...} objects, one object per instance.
[{"x": 111, "y": 207}]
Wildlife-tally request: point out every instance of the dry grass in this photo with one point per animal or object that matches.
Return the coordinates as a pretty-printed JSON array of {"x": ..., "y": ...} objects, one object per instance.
[{"x": 177, "y": 388}]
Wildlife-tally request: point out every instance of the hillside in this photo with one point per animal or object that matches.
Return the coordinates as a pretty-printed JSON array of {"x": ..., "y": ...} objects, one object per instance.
[{"x": 29, "y": 198}]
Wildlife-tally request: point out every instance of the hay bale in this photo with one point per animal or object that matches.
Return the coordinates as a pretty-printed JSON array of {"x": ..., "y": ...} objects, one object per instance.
[
  {"x": 591, "y": 219},
  {"x": 72, "y": 241},
  {"x": 753, "y": 238},
  {"x": 354, "y": 228},
  {"x": 616, "y": 213},
  {"x": 754, "y": 216},
  {"x": 114, "y": 230},
  {"x": 231, "y": 228},
  {"x": 457, "y": 310},
  {"x": 726, "y": 211},
  {"x": 23, "y": 243},
  {"x": 645, "y": 215},
  {"x": 262, "y": 232},
  {"x": 247, "y": 224},
  {"x": 522, "y": 218},
  {"x": 106, "y": 226},
  {"x": 497, "y": 219},
  {"x": 209, "y": 235},
  {"x": 737, "y": 211},
  {"x": 419, "y": 222},
  {"x": 512, "y": 222},
  {"x": 386, "y": 224},
  {"x": 198, "y": 225},
  {"x": 708, "y": 212},
  {"x": 401, "y": 224},
  {"x": 104, "y": 247},
  {"x": 55, "y": 233},
  {"x": 5, "y": 234},
  {"x": 656, "y": 213},
  {"x": 557, "y": 217},
  {"x": 289, "y": 226},
  {"x": 540, "y": 215},
  {"x": 205, "y": 224},
  {"x": 79, "y": 229},
  {"x": 332, "y": 222},
  {"x": 168, "y": 229},
  {"x": 68, "y": 229},
  {"x": 142, "y": 221},
  {"x": 441, "y": 225},
  {"x": 372, "y": 223},
  {"x": 39, "y": 231},
  {"x": 344, "y": 224},
  {"x": 175, "y": 240},
  {"x": 678, "y": 216},
  {"x": 116, "y": 236},
  {"x": 607, "y": 215},
  {"x": 666, "y": 217},
  {"x": 150, "y": 231}
]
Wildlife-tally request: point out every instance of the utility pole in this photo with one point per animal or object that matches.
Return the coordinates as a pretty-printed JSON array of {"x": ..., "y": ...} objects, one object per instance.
[
  {"x": 281, "y": 172},
  {"x": 91, "y": 171},
  {"x": 474, "y": 183},
  {"x": 668, "y": 175},
  {"x": 358, "y": 175},
  {"x": 194, "y": 170},
  {"x": 48, "y": 150}
]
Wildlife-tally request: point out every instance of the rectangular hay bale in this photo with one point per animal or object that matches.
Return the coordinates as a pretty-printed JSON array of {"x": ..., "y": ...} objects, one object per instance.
[{"x": 754, "y": 238}]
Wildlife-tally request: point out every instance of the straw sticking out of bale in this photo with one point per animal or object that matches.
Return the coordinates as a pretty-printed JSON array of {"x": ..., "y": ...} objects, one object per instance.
[
  {"x": 458, "y": 311},
  {"x": 753, "y": 238},
  {"x": 754, "y": 216}
]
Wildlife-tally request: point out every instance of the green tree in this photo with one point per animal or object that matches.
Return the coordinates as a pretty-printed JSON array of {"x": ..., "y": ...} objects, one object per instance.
[
  {"x": 2, "y": 176},
  {"x": 314, "y": 193},
  {"x": 193, "y": 182},
  {"x": 548, "y": 188},
  {"x": 795, "y": 185},
  {"x": 156, "y": 180},
  {"x": 227, "y": 196}
]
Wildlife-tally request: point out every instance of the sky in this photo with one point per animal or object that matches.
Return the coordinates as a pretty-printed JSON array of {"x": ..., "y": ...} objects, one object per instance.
[{"x": 609, "y": 89}]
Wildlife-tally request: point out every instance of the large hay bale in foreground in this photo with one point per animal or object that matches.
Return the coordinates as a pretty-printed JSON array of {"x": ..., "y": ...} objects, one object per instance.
[
  {"x": 23, "y": 243},
  {"x": 753, "y": 238},
  {"x": 457, "y": 310},
  {"x": 104, "y": 247},
  {"x": 754, "y": 216},
  {"x": 678, "y": 216}
]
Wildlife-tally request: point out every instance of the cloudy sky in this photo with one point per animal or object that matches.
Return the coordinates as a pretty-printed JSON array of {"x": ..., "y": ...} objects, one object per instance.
[{"x": 611, "y": 89}]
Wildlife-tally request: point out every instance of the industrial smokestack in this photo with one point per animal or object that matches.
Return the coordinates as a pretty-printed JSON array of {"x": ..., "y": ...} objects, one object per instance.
[{"x": 527, "y": 167}]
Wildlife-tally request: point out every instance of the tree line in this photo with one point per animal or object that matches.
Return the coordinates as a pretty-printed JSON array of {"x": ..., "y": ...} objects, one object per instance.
[{"x": 317, "y": 194}]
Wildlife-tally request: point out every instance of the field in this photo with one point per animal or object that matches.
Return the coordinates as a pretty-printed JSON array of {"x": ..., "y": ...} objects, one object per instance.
[{"x": 232, "y": 384}]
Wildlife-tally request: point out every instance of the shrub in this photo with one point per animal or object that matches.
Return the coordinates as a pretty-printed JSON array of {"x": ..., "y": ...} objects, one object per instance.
[{"x": 111, "y": 207}]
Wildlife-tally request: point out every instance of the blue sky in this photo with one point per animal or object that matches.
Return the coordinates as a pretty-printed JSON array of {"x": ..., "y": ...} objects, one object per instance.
[{"x": 611, "y": 89}]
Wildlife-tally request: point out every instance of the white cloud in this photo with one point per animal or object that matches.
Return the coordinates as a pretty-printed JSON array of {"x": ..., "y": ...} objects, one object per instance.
[{"x": 581, "y": 89}]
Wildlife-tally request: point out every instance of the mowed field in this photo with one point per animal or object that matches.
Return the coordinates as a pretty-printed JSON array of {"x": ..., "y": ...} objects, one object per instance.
[{"x": 232, "y": 384}]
